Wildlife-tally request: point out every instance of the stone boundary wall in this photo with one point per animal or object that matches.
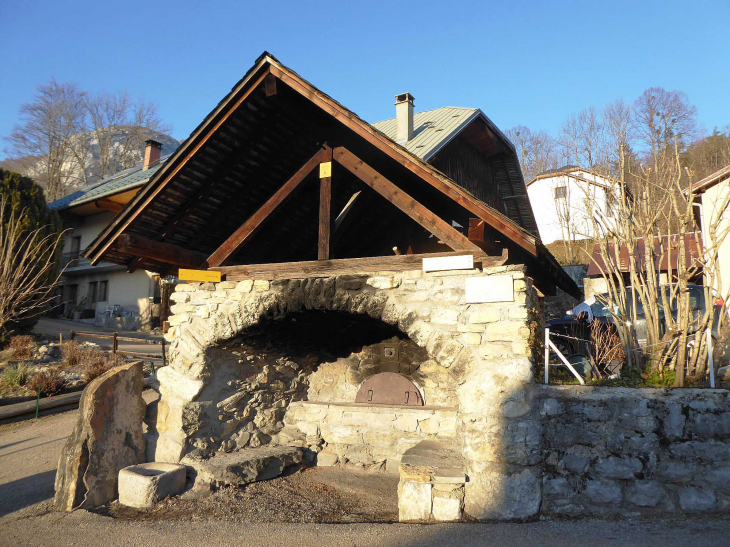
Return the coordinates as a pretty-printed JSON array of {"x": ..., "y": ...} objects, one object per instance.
[
  {"x": 484, "y": 348},
  {"x": 635, "y": 452},
  {"x": 369, "y": 436}
]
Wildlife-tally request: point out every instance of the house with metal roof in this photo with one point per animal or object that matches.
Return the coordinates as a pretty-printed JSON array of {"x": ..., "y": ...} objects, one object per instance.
[{"x": 104, "y": 293}]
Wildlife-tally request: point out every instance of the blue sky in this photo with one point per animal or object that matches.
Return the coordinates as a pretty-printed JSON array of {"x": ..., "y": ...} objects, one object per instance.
[{"x": 521, "y": 62}]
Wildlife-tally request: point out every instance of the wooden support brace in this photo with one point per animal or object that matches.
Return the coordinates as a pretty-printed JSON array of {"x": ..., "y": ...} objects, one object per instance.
[
  {"x": 431, "y": 222},
  {"x": 161, "y": 252},
  {"x": 244, "y": 234}
]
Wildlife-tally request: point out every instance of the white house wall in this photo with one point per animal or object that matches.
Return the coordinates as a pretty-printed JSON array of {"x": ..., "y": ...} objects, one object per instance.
[
  {"x": 712, "y": 202},
  {"x": 545, "y": 206}
]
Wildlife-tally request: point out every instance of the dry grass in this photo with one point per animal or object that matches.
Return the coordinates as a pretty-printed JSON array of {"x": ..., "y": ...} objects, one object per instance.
[
  {"x": 16, "y": 375},
  {"x": 22, "y": 347},
  {"x": 72, "y": 353},
  {"x": 96, "y": 363},
  {"x": 50, "y": 382}
]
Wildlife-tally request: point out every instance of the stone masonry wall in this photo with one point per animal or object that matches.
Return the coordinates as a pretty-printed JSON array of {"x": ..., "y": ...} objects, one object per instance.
[
  {"x": 369, "y": 436},
  {"x": 635, "y": 452},
  {"x": 483, "y": 348}
]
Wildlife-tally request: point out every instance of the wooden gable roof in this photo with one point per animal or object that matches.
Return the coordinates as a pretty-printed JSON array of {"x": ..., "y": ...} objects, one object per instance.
[{"x": 261, "y": 144}]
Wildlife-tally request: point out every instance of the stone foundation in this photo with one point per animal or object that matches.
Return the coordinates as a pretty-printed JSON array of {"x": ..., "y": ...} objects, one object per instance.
[
  {"x": 470, "y": 362},
  {"x": 635, "y": 452}
]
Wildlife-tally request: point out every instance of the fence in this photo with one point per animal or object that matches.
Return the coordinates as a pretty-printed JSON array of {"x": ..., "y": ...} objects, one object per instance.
[{"x": 115, "y": 338}]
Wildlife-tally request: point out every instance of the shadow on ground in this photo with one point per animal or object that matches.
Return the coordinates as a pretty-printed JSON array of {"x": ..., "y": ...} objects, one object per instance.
[{"x": 27, "y": 491}]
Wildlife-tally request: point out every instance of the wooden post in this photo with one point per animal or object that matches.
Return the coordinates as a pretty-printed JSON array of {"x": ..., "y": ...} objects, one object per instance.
[
  {"x": 325, "y": 203},
  {"x": 60, "y": 338},
  {"x": 115, "y": 342},
  {"x": 163, "y": 352},
  {"x": 73, "y": 335}
]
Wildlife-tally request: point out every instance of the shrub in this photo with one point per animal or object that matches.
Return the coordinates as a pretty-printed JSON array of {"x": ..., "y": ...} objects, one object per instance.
[
  {"x": 16, "y": 375},
  {"x": 96, "y": 363},
  {"x": 72, "y": 353},
  {"x": 22, "y": 347},
  {"x": 49, "y": 382}
]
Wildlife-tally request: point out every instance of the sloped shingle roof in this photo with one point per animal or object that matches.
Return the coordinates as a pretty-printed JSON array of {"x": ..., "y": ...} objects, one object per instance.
[
  {"x": 134, "y": 177},
  {"x": 432, "y": 129}
]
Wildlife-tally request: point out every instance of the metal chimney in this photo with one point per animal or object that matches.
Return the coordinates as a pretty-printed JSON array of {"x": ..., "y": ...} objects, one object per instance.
[{"x": 404, "y": 117}]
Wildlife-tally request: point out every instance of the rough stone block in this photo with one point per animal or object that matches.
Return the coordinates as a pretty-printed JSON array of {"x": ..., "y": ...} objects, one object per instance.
[
  {"x": 695, "y": 500},
  {"x": 618, "y": 468},
  {"x": 603, "y": 492},
  {"x": 384, "y": 282},
  {"x": 414, "y": 501},
  {"x": 506, "y": 331},
  {"x": 444, "y": 316},
  {"x": 261, "y": 285},
  {"x": 107, "y": 438},
  {"x": 327, "y": 459},
  {"x": 497, "y": 493},
  {"x": 487, "y": 315},
  {"x": 645, "y": 493},
  {"x": 447, "y": 506},
  {"x": 145, "y": 484}
]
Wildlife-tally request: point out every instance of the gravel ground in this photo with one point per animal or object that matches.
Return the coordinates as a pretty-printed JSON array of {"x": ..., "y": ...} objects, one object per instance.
[{"x": 279, "y": 512}]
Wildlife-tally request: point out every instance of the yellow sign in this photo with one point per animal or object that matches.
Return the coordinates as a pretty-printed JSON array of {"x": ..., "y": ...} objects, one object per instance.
[
  {"x": 199, "y": 275},
  {"x": 325, "y": 170}
]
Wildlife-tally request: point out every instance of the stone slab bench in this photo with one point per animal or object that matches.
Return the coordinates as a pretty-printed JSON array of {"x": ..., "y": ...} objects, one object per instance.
[
  {"x": 240, "y": 467},
  {"x": 431, "y": 487}
]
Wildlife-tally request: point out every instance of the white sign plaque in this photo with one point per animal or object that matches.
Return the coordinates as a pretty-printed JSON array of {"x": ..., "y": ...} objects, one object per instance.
[
  {"x": 464, "y": 262},
  {"x": 496, "y": 288}
]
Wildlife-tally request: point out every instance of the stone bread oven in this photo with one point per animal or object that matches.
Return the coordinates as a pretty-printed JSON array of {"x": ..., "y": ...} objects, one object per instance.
[{"x": 240, "y": 378}]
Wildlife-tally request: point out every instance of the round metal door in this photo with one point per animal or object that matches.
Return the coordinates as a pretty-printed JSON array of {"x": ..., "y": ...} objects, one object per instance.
[{"x": 389, "y": 388}]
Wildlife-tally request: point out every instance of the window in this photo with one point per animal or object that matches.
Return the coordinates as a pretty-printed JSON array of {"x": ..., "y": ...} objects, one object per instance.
[
  {"x": 561, "y": 192},
  {"x": 103, "y": 287}
]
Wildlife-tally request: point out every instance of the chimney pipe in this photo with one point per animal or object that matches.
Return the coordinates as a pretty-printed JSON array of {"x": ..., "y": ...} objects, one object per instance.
[
  {"x": 152, "y": 153},
  {"x": 404, "y": 117}
]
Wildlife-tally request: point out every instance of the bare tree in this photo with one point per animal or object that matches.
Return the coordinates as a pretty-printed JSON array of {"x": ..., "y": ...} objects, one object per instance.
[
  {"x": 118, "y": 127},
  {"x": 49, "y": 124},
  {"x": 537, "y": 151},
  {"x": 27, "y": 276}
]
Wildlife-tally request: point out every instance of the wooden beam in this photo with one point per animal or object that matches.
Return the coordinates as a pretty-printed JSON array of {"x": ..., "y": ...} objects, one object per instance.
[
  {"x": 246, "y": 231},
  {"x": 161, "y": 252},
  {"x": 270, "y": 85},
  {"x": 431, "y": 222},
  {"x": 421, "y": 169},
  {"x": 325, "y": 204},
  {"x": 328, "y": 268},
  {"x": 109, "y": 205}
]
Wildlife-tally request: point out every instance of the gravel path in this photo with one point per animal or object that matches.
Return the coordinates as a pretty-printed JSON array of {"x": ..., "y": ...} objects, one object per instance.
[{"x": 29, "y": 452}]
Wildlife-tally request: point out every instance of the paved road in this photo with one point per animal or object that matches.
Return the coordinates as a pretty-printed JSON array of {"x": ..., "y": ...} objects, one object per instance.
[{"x": 29, "y": 452}]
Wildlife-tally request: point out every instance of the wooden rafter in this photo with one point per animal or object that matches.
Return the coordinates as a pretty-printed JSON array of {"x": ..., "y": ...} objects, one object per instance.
[
  {"x": 325, "y": 268},
  {"x": 430, "y": 221},
  {"x": 167, "y": 173},
  {"x": 246, "y": 231},
  {"x": 109, "y": 205},
  {"x": 162, "y": 252},
  {"x": 346, "y": 117}
]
